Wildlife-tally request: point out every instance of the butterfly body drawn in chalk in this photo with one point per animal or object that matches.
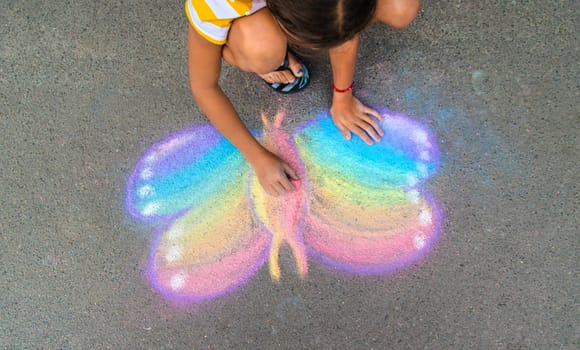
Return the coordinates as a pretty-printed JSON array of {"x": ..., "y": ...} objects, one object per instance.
[{"x": 355, "y": 208}]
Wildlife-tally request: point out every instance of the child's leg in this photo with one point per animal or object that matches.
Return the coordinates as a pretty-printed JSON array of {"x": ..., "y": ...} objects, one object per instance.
[
  {"x": 396, "y": 13},
  {"x": 257, "y": 44}
]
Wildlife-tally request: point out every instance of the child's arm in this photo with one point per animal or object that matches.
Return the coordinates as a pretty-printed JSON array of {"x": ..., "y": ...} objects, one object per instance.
[
  {"x": 204, "y": 71},
  {"x": 348, "y": 113}
]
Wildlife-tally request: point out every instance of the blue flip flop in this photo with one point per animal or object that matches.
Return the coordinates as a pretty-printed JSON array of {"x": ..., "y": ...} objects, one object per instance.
[{"x": 298, "y": 84}]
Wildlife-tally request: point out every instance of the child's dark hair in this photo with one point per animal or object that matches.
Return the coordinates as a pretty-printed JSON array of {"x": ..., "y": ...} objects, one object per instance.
[{"x": 323, "y": 24}]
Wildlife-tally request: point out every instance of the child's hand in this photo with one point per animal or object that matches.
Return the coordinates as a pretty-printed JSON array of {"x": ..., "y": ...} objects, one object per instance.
[
  {"x": 274, "y": 174},
  {"x": 350, "y": 115}
]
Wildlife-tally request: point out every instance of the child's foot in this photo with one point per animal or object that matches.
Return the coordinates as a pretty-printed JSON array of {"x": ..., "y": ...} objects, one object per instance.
[{"x": 291, "y": 76}]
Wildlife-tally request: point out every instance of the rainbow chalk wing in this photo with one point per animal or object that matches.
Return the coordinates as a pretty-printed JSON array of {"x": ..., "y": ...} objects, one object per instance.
[
  {"x": 198, "y": 182},
  {"x": 181, "y": 172},
  {"x": 366, "y": 211},
  {"x": 210, "y": 250}
]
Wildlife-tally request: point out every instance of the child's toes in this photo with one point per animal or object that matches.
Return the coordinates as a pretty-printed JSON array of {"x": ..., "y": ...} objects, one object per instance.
[
  {"x": 267, "y": 77},
  {"x": 292, "y": 76},
  {"x": 272, "y": 77},
  {"x": 283, "y": 77},
  {"x": 287, "y": 76},
  {"x": 295, "y": 65}
]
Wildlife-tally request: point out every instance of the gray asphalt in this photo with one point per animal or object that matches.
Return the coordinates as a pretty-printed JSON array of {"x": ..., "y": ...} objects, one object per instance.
[{"x": 86, "y": 87}]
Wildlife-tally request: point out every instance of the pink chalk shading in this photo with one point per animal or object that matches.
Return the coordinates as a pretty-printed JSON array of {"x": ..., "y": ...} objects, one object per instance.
[
  {"x": 282, "y": 216},
  {"x": 370, "y": 250}
]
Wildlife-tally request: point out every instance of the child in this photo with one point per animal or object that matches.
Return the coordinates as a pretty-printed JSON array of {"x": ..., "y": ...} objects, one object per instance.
[{"x": 253, "y": 35}]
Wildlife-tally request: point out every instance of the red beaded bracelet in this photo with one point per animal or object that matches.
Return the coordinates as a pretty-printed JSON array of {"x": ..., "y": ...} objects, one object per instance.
[{"x": 343, "y": 90}]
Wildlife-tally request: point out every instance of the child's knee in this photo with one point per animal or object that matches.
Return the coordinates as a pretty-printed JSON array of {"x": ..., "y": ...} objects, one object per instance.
[
  {"x": 257, "y": 43},
  {"x": 263, "y": 55},
  {"x": 408, "y": 12},
  {"x": 397, "y": 13}
]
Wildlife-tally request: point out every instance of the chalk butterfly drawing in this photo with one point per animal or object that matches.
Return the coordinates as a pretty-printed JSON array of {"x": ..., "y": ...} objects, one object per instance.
[{"x": 356, "y": 208}]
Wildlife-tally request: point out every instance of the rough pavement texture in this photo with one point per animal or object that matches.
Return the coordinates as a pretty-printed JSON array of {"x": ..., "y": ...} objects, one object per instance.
[{"x": 86, "y": 87}]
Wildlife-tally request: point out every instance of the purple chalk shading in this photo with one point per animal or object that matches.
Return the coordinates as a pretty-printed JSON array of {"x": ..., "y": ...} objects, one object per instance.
[{"x": 208, "y": 132}]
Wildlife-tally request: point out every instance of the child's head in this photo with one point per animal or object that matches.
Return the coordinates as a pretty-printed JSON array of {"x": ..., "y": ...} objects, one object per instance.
[{"x": 322, "y": 24}]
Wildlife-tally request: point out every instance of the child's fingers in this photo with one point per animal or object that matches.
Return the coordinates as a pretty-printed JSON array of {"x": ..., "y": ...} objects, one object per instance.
[
  {"x": 277, "y": 189},
  {"x": 376, "y": 128},
  {"x": 343, "y": 130},
  {"x": 270, "y": 190},
  {"x": 288, "y": 170},
  {"x": 373, "y": 112},
  {"x": 286, "y": 185},
  {"x": 362, "y": 134},
  {"x": 282, "y": 188},
  {"x": 370, "y": 130}
]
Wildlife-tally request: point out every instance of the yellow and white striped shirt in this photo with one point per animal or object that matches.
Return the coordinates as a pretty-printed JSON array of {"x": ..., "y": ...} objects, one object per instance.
[{"x": 212, "y": 18}]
